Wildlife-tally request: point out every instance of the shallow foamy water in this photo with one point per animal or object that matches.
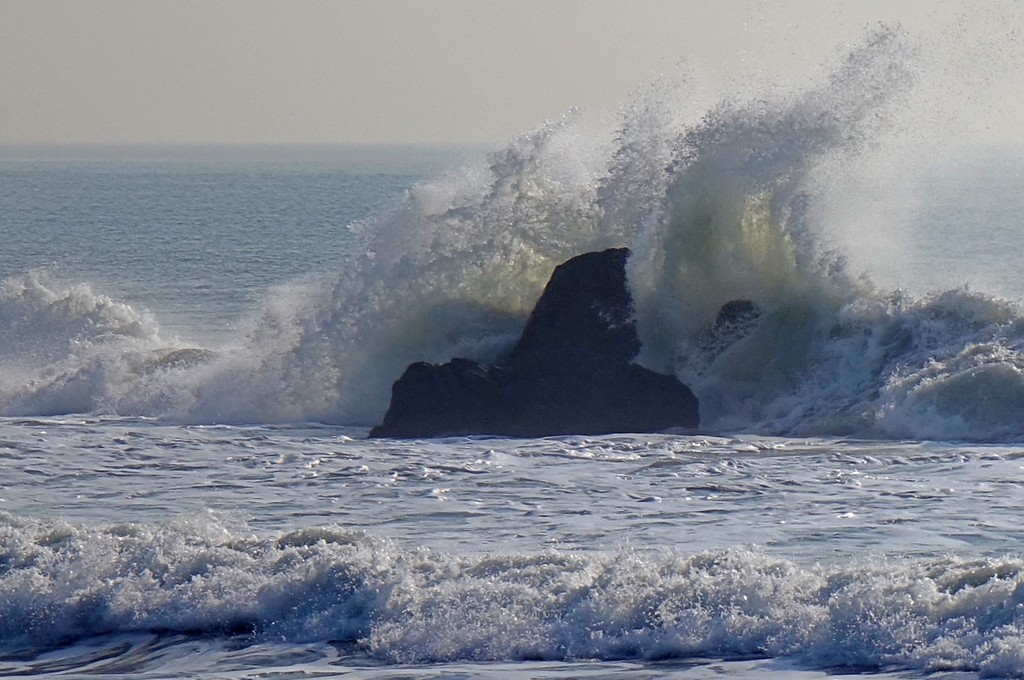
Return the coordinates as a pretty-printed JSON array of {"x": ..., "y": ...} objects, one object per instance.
[{"x": 227, "y": 550}]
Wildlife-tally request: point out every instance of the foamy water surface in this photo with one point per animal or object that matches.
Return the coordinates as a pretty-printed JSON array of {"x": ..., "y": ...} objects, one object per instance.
[{"x": 313, "y": 549}]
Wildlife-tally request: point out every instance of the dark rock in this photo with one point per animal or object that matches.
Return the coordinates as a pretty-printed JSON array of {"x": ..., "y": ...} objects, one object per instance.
[
  {"x": 173, "y": 359},
  {"x": 585, "y": 314},
  {"x": 570, "y": 373},
  {"x": 458, "y": 397},
  {"x": 186, "y": 358},
  {"x": 736, "y": 320},
  {"x": 737, "y": 313}
]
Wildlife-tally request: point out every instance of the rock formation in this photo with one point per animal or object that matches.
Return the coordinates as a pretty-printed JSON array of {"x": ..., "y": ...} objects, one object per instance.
[{"x": 571, "y": 372}]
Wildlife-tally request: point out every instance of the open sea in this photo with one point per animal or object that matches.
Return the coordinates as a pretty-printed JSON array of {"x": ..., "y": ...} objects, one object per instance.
[{"x": 195, "y": 341}]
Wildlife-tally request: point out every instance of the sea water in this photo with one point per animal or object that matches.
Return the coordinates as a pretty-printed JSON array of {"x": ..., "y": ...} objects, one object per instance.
[{"x": 194, "y": 343}]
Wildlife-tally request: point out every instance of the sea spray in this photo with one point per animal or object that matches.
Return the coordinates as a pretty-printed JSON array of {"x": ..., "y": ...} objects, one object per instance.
[
  {"x": 456, "y": 268},
  {"x": 66, "y": 349},
  {"x": 734, "y": 218},
  {"x": 740, "y": 219}
]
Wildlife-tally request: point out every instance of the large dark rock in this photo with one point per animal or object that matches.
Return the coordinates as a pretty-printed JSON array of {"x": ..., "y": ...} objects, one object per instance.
[
  {"x": 571, "y": 372},
  {"x": 584, "y": 316}
]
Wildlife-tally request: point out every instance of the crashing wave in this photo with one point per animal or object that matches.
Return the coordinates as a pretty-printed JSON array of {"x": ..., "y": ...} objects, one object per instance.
[{"x": 726, "y": 205}]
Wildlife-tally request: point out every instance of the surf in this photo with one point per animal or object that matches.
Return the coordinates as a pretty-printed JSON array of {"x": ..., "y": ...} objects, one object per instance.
[{"x": 136, "y": 591}]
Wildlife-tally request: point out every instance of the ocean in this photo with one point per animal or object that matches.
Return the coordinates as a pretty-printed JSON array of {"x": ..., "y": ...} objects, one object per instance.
[{"x": 195, "y": 342}]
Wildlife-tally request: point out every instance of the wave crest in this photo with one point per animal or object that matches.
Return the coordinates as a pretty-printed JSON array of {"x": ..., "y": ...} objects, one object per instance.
[{"x": 197, "y": 575}]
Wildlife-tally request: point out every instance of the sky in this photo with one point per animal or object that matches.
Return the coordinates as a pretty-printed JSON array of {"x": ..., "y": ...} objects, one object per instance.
[{"x": 427, "y": 71}]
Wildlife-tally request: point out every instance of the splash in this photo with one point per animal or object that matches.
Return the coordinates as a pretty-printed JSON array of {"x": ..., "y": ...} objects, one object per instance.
[
  {"x": 66, "y": 349},
  {"x": 712, "y": 209}
]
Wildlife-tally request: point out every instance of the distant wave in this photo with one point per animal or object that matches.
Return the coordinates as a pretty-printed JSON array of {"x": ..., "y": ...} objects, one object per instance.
[
  {"x": 61, "y": 583},
  {"x": 716, "y": 205}
]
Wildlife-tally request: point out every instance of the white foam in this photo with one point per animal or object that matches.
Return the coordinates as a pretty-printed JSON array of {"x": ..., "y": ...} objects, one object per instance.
[{"x": 64, "y": 582}]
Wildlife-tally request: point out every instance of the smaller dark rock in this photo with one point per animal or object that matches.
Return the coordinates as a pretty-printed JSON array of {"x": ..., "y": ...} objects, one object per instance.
[
  {"x": 187, "y": 357},
  {"x": 452, "y": 398},
  {"x": 736, "y": 320},
  {"x": 737, "y": 313}
]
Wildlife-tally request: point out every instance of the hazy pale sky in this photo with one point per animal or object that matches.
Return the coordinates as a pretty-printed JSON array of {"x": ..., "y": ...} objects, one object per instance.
[{"x": 230, "y": 71}]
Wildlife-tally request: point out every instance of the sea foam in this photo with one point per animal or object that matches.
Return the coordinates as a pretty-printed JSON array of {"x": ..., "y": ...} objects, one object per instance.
[{"x": 62, "y": 583}]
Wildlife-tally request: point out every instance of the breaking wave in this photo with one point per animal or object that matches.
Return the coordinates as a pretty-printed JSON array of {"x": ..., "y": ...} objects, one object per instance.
[
  {"x": 61, "y": 584},
  {"x": 717, "y": 204}
]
